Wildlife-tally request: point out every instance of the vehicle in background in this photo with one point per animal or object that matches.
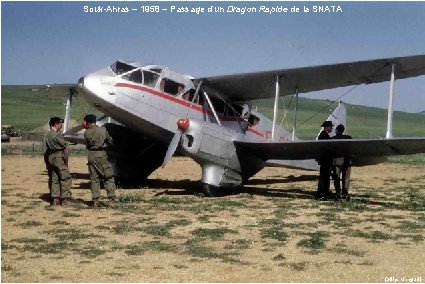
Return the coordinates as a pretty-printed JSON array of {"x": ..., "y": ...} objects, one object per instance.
[
  {"x": 10, "y": 131},
  {"x": 4, "y": 136}
]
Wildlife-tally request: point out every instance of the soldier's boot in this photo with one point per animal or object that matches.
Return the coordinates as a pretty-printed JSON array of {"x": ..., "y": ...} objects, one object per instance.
[
  {"x": 68, "y": 202},
  {"x": 338, "y": 195},
  {"x": 56, "y": 202},
  {"x": 345, "y": 194},
  {"x": 96, "y": 203},
  {"x": 112, "y": 201}
]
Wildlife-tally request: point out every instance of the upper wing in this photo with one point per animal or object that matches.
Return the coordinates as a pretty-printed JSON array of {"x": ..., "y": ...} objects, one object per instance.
[
  {"x": 358, "y": 149},
  {"x": 258, "y": 85}
]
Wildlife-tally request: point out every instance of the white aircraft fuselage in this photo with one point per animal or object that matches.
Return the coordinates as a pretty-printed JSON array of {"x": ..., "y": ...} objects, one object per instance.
[{"x": 151, "y": 99}]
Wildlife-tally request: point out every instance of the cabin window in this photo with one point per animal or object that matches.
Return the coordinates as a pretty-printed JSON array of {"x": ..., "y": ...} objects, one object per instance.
[
  {"x": 188, "y": 95},
  {"x": 218, "y": 105},
  {"x": 170, "y": 86},
  {"x": 235, "y": 111},
  {"x": 119, "y": 67},
  {"x": 150, "y": 78},
  {"x": 200, "y": 99}
]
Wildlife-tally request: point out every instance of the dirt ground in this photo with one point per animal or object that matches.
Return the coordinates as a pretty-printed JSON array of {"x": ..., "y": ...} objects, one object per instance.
[{"x": 270, "y": 231}]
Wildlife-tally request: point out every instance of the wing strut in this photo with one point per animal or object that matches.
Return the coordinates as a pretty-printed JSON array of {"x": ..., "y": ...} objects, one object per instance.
[
  {"x": 294, "y": 127},
  {"x": 390, "y": 105},
  {"x": 68, "y": 108},
  {"x": 212, "y": 108},
  {"x": 276, "y": 102}
]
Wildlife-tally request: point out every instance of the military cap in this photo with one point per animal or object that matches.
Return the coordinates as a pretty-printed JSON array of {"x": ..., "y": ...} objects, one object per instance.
[
  {"x": 90, "y": 118},
  {"x": 327, "y": 123},
  {"x": 54, "y": 120}
]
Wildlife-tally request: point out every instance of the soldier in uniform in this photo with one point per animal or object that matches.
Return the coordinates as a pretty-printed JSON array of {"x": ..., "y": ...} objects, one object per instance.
[
  {"x": 97, "y": 140},
  {"x": 341, "y": 167},
  {"x": 325, "y": 163},
  {"x": 56, "y": 159}
]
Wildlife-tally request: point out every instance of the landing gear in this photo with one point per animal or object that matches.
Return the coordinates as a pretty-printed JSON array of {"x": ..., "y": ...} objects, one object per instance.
[{"x": 210, "y": 190}]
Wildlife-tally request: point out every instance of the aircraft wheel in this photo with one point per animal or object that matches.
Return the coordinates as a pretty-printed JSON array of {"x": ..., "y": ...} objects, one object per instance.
[{"x": 210, "y": 190}]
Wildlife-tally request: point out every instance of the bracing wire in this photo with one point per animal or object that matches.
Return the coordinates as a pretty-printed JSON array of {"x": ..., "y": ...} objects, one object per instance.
[{"x": 328, "y": 105}]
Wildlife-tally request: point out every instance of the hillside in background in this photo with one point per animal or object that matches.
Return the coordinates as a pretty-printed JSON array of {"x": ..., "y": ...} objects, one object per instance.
[
  {"x": 27, "y": 107},
  {"x": 362, "y": 121}
]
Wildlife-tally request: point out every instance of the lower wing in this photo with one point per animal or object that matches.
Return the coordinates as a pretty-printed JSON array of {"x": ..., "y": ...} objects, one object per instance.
[{"x": 361, "y": 151}]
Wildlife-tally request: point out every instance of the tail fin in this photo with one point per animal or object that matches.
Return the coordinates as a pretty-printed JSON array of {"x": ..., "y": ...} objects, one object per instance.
[{"x": 338, "y": 116}]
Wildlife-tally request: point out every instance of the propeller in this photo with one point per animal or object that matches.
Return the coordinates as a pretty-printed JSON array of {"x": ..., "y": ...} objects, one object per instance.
[{"x": 183, "y": 125}]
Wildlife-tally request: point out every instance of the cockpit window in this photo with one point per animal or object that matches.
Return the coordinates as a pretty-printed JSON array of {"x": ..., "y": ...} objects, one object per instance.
[
  {"x": 135, "y": 76},
  {"x": 119, "y": 67},
  {"x": 150, "y": 78},
  {"x": 157, "y": 70},
  {"x": 142, "y": 77}
]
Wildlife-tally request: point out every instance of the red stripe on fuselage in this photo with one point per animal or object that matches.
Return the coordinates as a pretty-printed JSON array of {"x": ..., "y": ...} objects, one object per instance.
[
  {"x": 255, "y": 132},
  {"x": 183, "y": 103}
]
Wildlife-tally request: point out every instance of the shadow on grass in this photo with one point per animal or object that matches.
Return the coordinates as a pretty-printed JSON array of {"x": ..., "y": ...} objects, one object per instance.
[
  {"x": 188, "y": 187},
  {"x": 287, "y": 179},
  {"x": 46, "y": 198},
  {"x": 184, "y": 187},
  {"x": 295, "y": 193}
]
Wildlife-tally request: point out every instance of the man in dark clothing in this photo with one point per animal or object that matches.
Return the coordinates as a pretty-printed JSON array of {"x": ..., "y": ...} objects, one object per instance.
[
  {"x": 341, "y": 167},
  {"x": 56, "y": 160},
  {"x": 325, "y": 163},
  {"x": 97, "y": 140}
]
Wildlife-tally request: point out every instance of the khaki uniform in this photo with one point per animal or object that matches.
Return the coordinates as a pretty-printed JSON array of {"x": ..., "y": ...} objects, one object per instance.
[
  {"x": 97, "y": 138},
  {"x": 57, "y": 165}
]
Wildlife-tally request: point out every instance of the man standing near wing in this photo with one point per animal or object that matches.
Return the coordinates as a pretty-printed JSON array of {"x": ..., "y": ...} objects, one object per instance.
[
  {"x": 325, "y": 163},
  {"x": 341, "y": 167}
]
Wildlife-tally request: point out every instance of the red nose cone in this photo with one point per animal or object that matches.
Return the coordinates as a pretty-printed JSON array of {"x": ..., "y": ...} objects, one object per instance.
[{"x": 183, "y": 124}]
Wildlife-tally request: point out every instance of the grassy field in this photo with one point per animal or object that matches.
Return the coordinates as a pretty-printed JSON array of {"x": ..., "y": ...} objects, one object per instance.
[
  {"x": 27, "y": 107},
  {"x": 272, "y": 230}
]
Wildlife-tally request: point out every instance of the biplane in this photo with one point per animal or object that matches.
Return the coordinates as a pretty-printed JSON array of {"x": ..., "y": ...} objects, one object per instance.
[{"x": 154, "y": 111}]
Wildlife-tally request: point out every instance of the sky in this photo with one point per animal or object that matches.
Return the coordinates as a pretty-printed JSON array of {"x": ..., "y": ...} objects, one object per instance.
[{"x": 58, "y": 42}]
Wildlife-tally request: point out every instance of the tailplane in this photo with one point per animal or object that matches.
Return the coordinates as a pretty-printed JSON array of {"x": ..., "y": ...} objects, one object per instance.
[{"x": 338, "y": 116}]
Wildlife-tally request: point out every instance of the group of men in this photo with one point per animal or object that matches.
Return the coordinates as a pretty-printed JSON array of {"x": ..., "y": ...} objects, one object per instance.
[
  {"x": 56, "y": 158},
  {"x": 337, "y": 167}
]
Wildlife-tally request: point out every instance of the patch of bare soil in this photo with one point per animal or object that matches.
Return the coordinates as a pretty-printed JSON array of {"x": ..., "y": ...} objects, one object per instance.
[{"x": 272, "y": 230}]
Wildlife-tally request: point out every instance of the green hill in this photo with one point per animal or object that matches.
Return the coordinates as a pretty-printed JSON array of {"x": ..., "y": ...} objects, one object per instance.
[{"x": 27, "y": 107}]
